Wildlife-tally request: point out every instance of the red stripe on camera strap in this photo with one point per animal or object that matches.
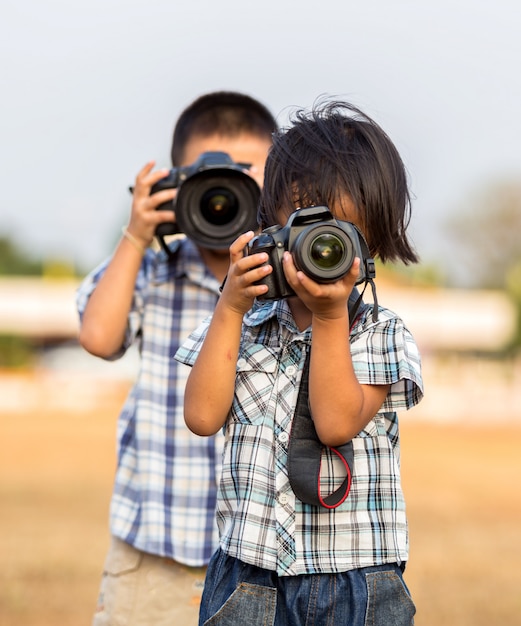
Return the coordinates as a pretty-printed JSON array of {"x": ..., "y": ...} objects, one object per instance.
[{"x": 305, "y": 448}]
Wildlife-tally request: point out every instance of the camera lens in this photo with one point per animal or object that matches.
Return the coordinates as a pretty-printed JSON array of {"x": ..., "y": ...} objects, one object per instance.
[
  {"x": 215, "y": 206},
  {"x": 327, "y": 251},
  {"x": 219, "y": 206},
  {"x": 324, "y": 252}
]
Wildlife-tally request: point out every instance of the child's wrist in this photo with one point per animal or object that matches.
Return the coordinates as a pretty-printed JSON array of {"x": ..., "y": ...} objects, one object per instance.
[
  {"x": 341, "y": 319},
  {"x": 139, "y": 244}
]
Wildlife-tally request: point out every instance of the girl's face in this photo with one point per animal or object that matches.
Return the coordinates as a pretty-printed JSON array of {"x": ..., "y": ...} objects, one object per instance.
[{"x": 346, "y": 211}]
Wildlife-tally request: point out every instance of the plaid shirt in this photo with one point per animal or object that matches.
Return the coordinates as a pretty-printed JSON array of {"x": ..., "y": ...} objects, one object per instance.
[
  {"x": 166, "y": 480},
  {"x": 260, "y": 520}
]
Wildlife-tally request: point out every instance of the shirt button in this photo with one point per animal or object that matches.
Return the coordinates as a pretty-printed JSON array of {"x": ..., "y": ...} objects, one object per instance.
[
  {"x": 283, "y": 498},
  {"x": 283, "y": 437},
  {"x": 241, "y": 363},
  {"x": 290, "y": 370}
]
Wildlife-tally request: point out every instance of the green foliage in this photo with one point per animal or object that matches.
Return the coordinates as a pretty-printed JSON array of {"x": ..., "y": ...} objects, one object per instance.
[
  {"x": 14, "y": 262},
  {"x": 414, "y": 275},
  {"x": 513, "y": 287},
  {"x": 15, "y": 351},
  {"x": 487, "y": 233}
]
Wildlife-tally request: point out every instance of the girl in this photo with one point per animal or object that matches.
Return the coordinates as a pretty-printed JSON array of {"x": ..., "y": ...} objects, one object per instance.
[{"x": 283, "y": 559}]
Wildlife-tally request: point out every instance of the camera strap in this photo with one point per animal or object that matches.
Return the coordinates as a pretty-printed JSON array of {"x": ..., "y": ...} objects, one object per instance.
[{"x": 305, "y": 448}]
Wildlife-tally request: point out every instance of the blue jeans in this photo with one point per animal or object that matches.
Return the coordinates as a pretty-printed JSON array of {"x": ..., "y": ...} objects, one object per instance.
[{"x": 238, "y": 594}]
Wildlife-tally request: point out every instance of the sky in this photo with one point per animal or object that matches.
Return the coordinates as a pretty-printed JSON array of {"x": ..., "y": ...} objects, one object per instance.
[{"x": 91, "y": 91}]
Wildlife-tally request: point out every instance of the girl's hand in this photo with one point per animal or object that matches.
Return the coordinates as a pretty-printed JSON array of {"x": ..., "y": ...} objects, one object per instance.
[
  {"x": 240, "y": 290},
  {"x": 326, "y": 300},
  {"x": 144, "y": 218}
]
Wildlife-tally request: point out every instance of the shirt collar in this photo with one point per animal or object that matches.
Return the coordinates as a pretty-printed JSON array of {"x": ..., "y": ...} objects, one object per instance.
[{"x": 262, "y": 311}]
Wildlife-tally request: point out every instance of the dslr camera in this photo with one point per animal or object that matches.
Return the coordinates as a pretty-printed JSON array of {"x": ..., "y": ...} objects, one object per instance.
[
  {"x": 216, "y": 202},
  {"x": 323, "y": 247}
]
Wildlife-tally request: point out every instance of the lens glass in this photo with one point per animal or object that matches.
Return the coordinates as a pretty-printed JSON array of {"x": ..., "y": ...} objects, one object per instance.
[
  {"x": 327, "y": 251},
  {"x": 219, "y": 206},
  {"x": 215, "y": 206}
]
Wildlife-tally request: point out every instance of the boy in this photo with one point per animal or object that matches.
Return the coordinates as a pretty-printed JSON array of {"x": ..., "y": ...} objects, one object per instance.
[
  {"x": 283, "y": 559},
  {"x": 162, "y": 509}
]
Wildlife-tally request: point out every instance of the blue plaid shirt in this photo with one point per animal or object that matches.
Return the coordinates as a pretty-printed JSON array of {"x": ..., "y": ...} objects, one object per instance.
[
  {"x": 166, "y": 479},
  {"x": 260, "y": 519}
]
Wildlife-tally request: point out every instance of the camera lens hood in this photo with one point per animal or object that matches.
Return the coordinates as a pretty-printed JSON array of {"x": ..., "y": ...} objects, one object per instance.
[
  {"x": 215, "y": 206},
  {"x": 324, "y": 252}
]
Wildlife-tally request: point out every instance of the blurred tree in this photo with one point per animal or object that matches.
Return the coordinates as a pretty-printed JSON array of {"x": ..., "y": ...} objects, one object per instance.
[
  {"x": 488, "y": 236},
  {"x": 15, "y": 351},
  {"x": 15, "y": 262},
  {"x": 487, "y": 233},
  {"x": 420, "y": 275},
  {"x": 513, "y": 285}
]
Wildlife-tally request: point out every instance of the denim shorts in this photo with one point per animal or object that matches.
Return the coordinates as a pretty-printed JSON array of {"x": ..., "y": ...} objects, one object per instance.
[{"x": 236, "y": 593}]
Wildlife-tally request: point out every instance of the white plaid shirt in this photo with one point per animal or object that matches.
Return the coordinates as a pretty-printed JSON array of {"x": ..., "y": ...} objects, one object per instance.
[
  {"x": 166, "y": 479},
  {"x": 261, "y": 522}
]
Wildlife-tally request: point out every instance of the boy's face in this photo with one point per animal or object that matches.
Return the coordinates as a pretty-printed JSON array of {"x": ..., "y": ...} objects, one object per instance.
[{"x": 244, "y": 148}]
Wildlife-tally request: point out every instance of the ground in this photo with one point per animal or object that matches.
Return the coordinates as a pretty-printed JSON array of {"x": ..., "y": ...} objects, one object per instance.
[{"x": 57, "y": 458}]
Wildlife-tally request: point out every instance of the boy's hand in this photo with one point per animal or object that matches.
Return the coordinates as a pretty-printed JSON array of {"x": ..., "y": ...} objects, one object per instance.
[
  {"x": 144, "y": 218},
  {"x": 326, "y": 300},
  {"x": 239, "y": 290}
]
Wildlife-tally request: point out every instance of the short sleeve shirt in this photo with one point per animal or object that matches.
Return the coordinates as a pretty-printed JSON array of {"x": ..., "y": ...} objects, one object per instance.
[
  {"x": 261, "y": 521},
  {"x": 166, "y": 478}
]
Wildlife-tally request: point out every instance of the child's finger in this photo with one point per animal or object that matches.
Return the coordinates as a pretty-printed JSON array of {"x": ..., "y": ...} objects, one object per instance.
[
  {"x": 237, "y": 247},
  {"x": 355, "y": 267},
  {"x": 254, "y": 260},
  {"x": 289, "y": 268},
  {"x": 146, "y": 178}
]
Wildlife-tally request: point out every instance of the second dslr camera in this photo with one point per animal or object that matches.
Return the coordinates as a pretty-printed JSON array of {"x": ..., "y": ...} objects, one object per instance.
[
  {"x": 322, "y": 247},
  {"x": 216, "y": 202}
]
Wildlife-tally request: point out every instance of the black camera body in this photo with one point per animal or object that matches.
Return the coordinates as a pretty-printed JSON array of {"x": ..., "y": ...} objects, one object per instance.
[
  {"x": 216, "y": 201},
  {"x": 323, "y": 247}
]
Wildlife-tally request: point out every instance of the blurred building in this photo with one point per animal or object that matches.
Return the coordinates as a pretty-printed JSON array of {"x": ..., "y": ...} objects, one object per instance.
[
  {"x": 461, "y": 334},
  {"x": 39, "y": 308},
  {"x": 440, "y": 319}
]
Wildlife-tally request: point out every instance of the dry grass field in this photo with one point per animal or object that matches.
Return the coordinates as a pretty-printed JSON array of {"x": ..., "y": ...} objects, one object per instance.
[{"x": 57, "y": 439}]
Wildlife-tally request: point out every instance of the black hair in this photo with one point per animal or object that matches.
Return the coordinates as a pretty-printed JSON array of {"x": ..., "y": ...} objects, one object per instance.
[
  {"x": 334, "y": 152},
  {"x": 227, "y": 113}
]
